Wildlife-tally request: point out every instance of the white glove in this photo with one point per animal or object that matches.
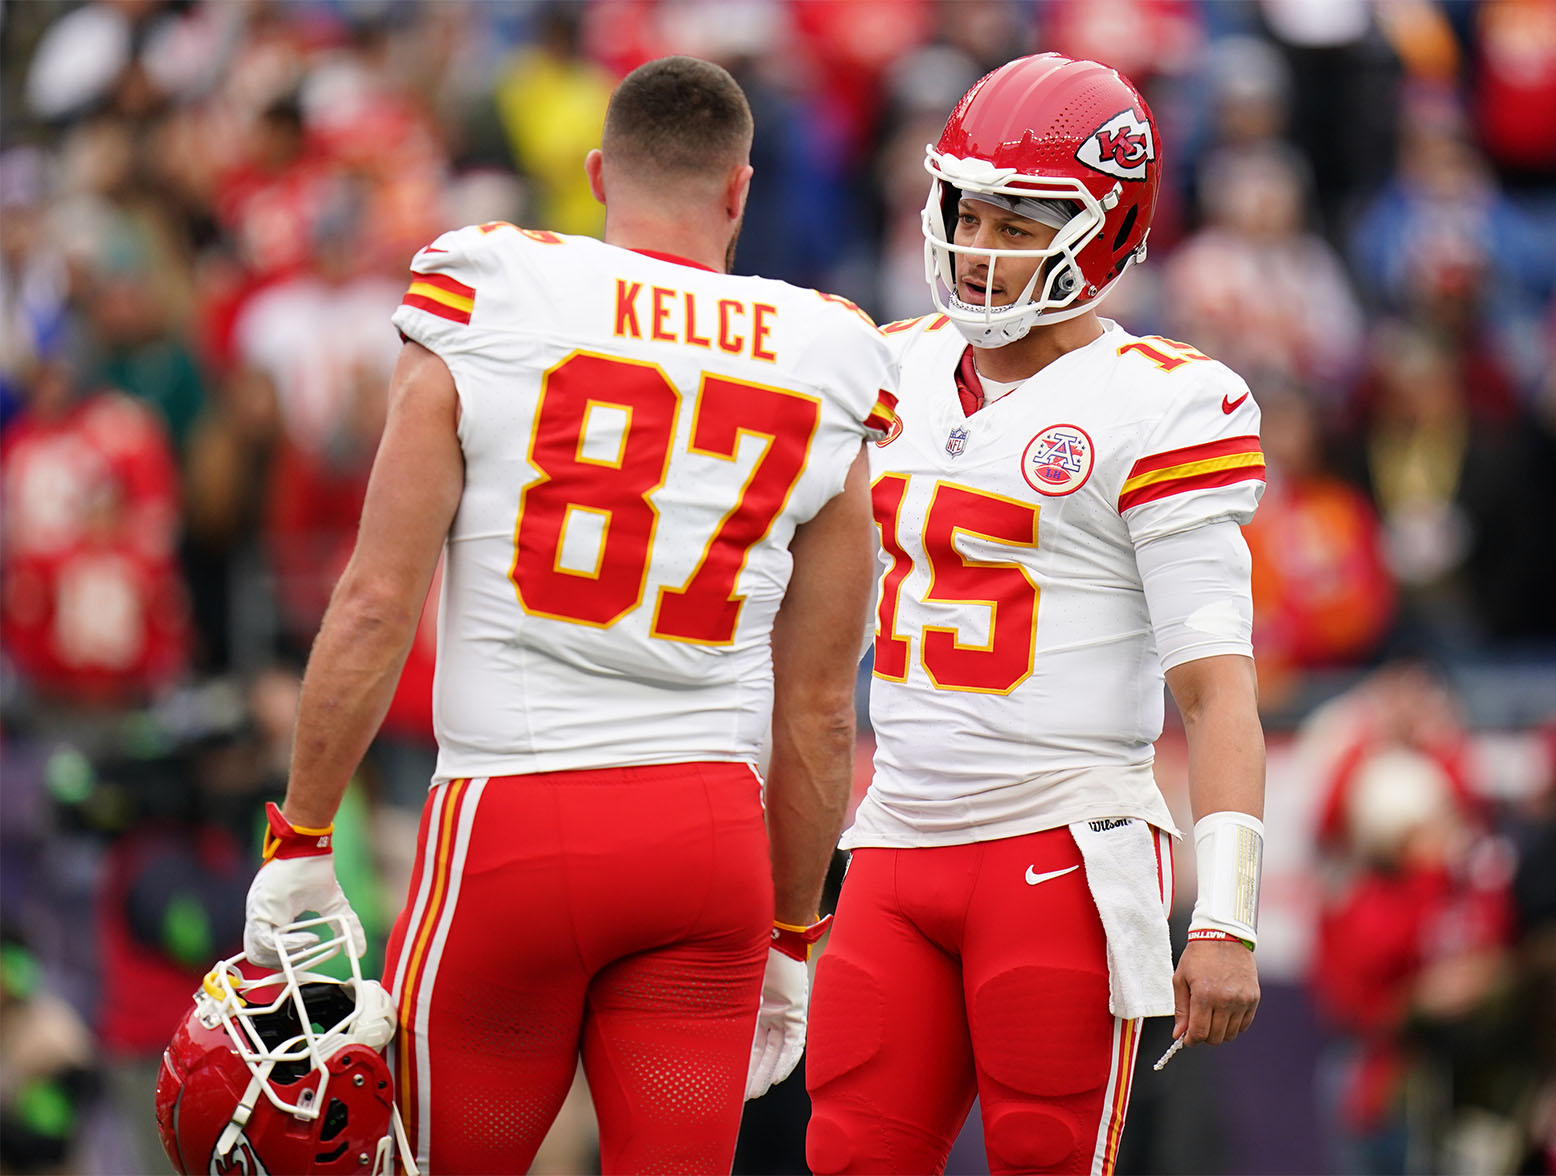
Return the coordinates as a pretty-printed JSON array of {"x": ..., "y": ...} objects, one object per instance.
[
  {"x": 780, "y": 1025},
  {"x": 282, "y": 890},
  {"x": 298, "y": 875}
]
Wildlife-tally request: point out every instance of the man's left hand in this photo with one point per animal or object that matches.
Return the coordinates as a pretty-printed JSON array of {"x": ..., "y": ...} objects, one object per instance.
[
  {"x": 1215, "y": 992},
  {"x": 780, "y": 1025}
]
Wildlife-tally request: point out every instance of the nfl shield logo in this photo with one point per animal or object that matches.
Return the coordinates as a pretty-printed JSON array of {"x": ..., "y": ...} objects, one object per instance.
[{"x": 956, "y": 442}]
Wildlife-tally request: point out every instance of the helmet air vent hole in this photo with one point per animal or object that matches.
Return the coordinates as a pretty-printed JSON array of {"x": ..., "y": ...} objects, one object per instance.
[
  {"x": 335, "y": 1119},
  {"x": 1125, "y": 227}
]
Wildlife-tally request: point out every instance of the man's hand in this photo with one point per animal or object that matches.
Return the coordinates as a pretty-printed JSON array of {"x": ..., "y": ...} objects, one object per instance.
[
  {"x": 298, "y": 875},
  {"x": 1215, "y": 992},
  {"x": 780, "y": 1025}
]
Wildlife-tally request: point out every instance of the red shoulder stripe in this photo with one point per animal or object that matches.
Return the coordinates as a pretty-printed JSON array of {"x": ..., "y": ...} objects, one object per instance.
[
  {"x": 1172, "y": 457},
  {"x": 442, "y": 310},
  {"x": 1205, "y": 481},
  {"x": 444, "y": 282}
]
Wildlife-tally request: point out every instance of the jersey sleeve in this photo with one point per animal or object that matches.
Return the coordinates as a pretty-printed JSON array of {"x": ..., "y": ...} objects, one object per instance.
[
  {"x": 445, "y": 283},
  {"x": 1200, "y": 462},
  {"x": 855, "y": 365}
]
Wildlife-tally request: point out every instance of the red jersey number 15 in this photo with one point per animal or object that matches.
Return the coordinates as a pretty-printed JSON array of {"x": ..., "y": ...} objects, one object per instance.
[{"x": 1003, "y": 588}]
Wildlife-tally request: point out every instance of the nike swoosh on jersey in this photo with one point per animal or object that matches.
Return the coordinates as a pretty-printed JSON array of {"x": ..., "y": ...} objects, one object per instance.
[
  {"x": 1228, "y": 405},
  {"x": 1034, "y": 879}
]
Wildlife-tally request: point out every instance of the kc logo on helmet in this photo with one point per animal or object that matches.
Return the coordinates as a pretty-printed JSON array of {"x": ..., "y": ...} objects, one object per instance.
[
  {"x": 1121, "y": 147},
  {"x": 240, "y": 1161}
]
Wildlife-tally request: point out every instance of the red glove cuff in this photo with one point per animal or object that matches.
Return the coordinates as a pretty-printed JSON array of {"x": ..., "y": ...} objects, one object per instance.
[
  {"x": 286, "y": 840},
  {"x": 796, "y": 942}
]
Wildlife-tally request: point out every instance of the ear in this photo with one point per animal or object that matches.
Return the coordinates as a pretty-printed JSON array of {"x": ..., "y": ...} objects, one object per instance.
[
  {"x": 736, "y": 189},
  {"x": 594, "y": 168}
]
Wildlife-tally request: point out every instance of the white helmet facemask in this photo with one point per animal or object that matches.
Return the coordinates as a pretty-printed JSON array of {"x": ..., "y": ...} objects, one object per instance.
[
  {"x": 242, "y": 1006},
  {"x": 1047, "y": 200}
]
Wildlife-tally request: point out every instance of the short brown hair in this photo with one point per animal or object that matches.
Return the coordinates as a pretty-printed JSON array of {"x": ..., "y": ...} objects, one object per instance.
[{"x": 678, "y": 115}]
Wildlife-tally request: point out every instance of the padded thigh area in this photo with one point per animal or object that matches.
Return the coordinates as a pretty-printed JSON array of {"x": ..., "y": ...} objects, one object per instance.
[
  {"x": 1043, "y": 1031},
  {"x": 849, "y": 1002}
]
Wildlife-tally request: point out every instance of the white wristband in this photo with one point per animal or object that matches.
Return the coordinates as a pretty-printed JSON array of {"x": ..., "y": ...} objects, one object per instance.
[{"x": 1229, "y": 851}]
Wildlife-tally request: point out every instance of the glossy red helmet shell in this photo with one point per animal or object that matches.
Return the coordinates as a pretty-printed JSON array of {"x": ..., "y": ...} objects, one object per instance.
[
  {"x": 1048, "y": 127},
  {"x": 281, "y": 1072},
  {"x": 203, "y": 1079}
]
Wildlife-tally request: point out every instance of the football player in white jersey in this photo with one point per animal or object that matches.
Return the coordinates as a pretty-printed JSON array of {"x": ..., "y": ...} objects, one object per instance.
[
  {"x": 648, "y": 479},
  {"x": 1058, "y": 510}
]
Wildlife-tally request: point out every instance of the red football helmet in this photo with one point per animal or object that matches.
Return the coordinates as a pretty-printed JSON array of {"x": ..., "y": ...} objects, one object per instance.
[
  {"x": 1069, "y": 143},
  {"x": 274, "y": 1073}
]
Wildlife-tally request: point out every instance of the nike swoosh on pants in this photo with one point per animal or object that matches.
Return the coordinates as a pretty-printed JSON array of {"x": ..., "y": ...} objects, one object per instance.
[{"x": 1034, "y": 879}]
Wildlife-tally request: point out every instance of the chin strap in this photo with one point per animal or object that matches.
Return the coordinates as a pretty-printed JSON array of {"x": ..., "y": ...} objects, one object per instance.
[
  {"x": 240, "y": 1115},
  {"x": 401, "y": 1147}
]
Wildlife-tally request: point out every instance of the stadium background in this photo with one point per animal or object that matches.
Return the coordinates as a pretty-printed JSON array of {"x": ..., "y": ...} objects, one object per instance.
[{"x": 206, "y": 210}]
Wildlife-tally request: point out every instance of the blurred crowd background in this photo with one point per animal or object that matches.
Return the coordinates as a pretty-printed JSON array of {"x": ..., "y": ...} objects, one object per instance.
[{"x": 206, "y": 213}]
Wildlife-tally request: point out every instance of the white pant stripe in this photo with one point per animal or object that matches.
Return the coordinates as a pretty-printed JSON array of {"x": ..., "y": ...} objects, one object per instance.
[{"x": 429, "y": 969}]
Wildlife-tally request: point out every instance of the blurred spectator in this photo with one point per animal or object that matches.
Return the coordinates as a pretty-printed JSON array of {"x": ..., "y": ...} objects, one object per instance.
[
  {"x": 1442, "y": 231},
  {"x": 1513, "y": 88},
  {"x": 1402, "y": 707},
  {"x": 137, "y": 349},
  {"x": 1413, "y": 973},
  {"x": 34, "y": 277},
  {"x": 851, "y": 44},
  {"x": 47, "y": 1075},
  {"x": 89, "y": 58},
  {"x": 91, "y": 604},
  {"x": 1412, "y": 970},
  {"x": 1462, "y": 502},
  {"x": 322, "y": 343},
  {"x": 1142, "y": 39},
  {"x": 552, "y": 104},
  {"x": 1344, "y": 99},
  {"x": 270, "y": 200},
  {"x": 1323, "y": 595},
  {"x": 1533, "y": 831},
  {"x": 1255, "y": 289},
  {"x": 1251, "y": 91}
]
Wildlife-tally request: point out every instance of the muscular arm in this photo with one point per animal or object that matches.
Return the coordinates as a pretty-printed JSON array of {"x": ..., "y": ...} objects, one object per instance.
[
  {"x": 1218, "y": 698},
  {"x": 816, "y": 641},
  {"x": 412, "y": 493},
  {"x": 1217, "y": 984}
]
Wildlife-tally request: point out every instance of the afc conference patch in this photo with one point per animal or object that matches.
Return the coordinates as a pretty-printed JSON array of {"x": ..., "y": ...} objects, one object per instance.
[
  {"x": 956, "y": 442},
  {"x": 1058, "y": 460}
]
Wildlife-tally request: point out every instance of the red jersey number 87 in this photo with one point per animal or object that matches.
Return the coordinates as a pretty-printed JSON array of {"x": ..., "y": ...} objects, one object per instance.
[{"x": 619, "y": 490}]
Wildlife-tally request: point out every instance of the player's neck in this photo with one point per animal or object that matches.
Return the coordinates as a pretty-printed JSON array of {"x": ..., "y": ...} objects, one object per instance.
[
  {"x": 682, "y": 237},
  {"x": 1038, "y": 348}
]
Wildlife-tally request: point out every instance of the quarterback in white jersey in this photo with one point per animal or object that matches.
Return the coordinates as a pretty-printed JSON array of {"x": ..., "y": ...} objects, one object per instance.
[
  {"x": 1018, "y": 682},
  {"x": 649, "y": 481},
  {"x": 1058, "y": 508}
]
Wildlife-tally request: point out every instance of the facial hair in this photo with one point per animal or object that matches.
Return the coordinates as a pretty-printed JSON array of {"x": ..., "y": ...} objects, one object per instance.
[{"x": 734, "y": 238}]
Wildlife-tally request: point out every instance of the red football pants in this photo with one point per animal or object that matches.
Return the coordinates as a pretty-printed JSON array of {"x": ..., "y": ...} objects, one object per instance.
[
  {"x": 622, "y": 915},
  {"x": 950, "y": 973}
]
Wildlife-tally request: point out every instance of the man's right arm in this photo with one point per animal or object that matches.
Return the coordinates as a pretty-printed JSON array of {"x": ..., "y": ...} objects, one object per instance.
[
  {"x": 817, "y": 636},
  {"x": 412, "y": 493}
]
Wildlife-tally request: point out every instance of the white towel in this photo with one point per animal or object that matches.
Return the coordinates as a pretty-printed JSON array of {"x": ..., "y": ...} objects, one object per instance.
[{"x": 1132, "y": 897}]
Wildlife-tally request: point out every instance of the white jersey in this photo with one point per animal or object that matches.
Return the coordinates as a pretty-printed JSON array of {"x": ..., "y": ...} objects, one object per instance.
[
  {"x": 641, "y": 437},
  {"x": 1017, "y": 685}
]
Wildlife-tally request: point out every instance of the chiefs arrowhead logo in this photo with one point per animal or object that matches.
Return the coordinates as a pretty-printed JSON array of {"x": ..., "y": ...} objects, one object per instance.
[
  {"x": 1121, "y": 147},
  {"x": 242, "y": 1160}
]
